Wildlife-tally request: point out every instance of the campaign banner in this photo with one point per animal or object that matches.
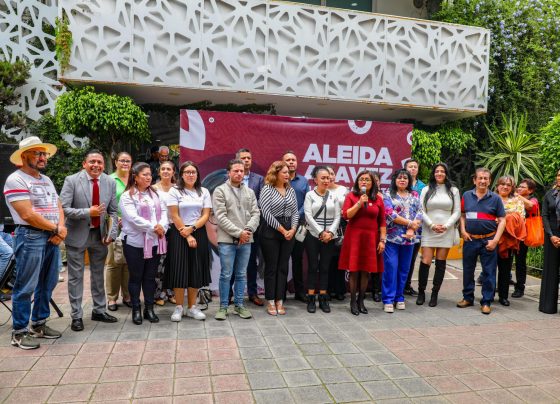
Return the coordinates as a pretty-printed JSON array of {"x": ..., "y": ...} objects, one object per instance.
[{"x": 211, "y": 139}]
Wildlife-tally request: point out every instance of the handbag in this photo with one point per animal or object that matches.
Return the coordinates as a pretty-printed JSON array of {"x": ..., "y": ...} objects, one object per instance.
[
  {"x": 301, "y": 231},
  {"x": 535, "y": 230},
  {"x": 118, "y": 253},
  {"x": 204, "y": 297},
  {"x": 339, "y": 236}
]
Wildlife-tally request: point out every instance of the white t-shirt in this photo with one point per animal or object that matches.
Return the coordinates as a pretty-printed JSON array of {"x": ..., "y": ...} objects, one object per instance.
[
  {"x": 40, "y": 191},
  {"x": 190, "y": 203}
]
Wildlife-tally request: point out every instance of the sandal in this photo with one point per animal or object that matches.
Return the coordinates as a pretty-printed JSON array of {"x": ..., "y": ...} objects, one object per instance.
[
  {"x": 172, "y": 300},
  {"x": 280, "y": 308},
  {"x": 271, "y": 309},
  {"x": 159, "y": 302}
]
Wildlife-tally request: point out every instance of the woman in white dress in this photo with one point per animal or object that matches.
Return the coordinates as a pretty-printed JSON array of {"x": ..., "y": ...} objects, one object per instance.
[{"x": 441, "y": 203}]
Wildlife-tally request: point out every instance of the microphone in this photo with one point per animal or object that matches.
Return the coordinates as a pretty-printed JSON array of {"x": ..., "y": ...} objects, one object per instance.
[{"x": 363, "y": 189}]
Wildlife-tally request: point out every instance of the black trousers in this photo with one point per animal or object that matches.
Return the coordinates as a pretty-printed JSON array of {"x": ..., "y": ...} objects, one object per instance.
[
  {"x": 504, "y": 275},
  {"x": 297, "y": 268},
  {"x": 276, "y": 252},
  {"x": 548, "y": 302},
  {"x": 142, "y": 274},
  {"x": 319, "y": 257},
  {"x": 412, "y": 262},
  {"x": 521, "y": 267}
]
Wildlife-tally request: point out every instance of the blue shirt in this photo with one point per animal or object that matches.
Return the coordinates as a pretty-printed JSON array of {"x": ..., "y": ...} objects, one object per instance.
[
  {"x": 301, "y": 187},
  {"x": 481, "y": 214},
  {"x": 418, "y": 187}
]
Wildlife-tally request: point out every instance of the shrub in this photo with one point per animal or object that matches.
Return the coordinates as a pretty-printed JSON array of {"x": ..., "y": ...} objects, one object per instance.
[{"x": 550, "y": 149}]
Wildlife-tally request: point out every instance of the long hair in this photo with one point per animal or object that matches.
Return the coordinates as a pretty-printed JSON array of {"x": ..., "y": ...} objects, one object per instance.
[
  {"x": 397, "y": 174},
  {"x": 169, "y": 163},
  {"x": 372, "y": 194},
  {"x": 181, "y": 181},
  {"x": 432, "y": 185},
  {"x": 272, "y": 173},
  {"x": 134, "y": 172}
]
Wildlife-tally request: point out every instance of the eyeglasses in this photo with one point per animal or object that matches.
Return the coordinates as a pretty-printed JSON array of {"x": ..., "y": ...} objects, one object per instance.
[
  {"x": 125, "y": 161},
  {"x": 189, "y": 172},
  {"x": 40, "y": 154}
]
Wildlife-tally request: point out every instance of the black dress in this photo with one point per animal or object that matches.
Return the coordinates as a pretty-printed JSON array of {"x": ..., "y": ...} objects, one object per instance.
[{"x": 548, "y": 302}]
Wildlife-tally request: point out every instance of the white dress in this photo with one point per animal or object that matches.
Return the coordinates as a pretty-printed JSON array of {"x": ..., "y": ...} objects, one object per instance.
[{"x": 440, "y": 209}]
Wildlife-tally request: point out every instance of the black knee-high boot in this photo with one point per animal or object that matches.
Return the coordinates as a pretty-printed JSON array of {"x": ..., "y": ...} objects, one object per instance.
[
  {"x": 438, "y": 280},
  {"x": 423, "y": 272}
]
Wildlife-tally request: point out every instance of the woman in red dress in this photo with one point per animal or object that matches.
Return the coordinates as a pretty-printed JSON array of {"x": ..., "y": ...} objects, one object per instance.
[{"x": 365, "y": 236}]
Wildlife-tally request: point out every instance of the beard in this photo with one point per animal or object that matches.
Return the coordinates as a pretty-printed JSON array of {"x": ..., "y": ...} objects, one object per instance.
[{"x": 37, "y": 167}]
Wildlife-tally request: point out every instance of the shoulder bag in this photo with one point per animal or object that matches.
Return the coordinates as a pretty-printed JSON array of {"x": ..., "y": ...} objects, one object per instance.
[{"x": 535, "y": 230}]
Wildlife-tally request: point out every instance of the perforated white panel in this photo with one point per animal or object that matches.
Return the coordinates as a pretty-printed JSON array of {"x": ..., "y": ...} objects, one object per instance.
[
  {"x": 26, "y": 29},
  {"x": 276, "y": 48}
]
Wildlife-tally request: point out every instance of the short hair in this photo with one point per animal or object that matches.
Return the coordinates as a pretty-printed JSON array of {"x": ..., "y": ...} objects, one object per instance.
[
  {"x": 272, "y": 173},
  {"x": 243, "y": 150},
  {"x": 93, "y": 151},
  {"x": 531, "y": 184},
  {"x": 288, "y": 152},
  {"x": 411, "y": 161},
  {"x": 232, "y": 162},
  {"x": 163, "y": 148},
  {"x": 507, "y": 178},
  {"x": 316, "y": 170},
  {"x": 482, "y": 170}
]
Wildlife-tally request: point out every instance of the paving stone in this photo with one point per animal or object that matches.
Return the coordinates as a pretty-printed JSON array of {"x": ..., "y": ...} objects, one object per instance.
[
  {"x": 533, "y": 394},
  {"x": 276, "y": 340},
  {"x": 323, "y": 361},
  {"x": 260, "y": 365},
  {"x": 292, "y": 363},
  {"x": 283, "y": 351},
  {"x": 268, "y": 380},
  {"x": 353, "y": 360},
  {"x": 343, "y": 348},
  {"x": 301, "y": 378},
  {"x": 274, "y": 396},
  {"x": 339, "y": 375},
  {"x": 499, "y": 396},
  {"x": 311, "y": 395},
  {"x": 346, "y": 392},
  {"x": 369, "y": 345},
  {"x": 367, "y": 373},
  {"x": 416, "y": 387},
  {"x": 306, "y": 338},
  {"x": 398, "y": 371},
  {"x": 383, "y": 357},
  {"x": 383, "y": 389},
  {"x": 250, "y": 341},
  {"x": 255, "y": 353},
  {"x": 315, "y": 349}
]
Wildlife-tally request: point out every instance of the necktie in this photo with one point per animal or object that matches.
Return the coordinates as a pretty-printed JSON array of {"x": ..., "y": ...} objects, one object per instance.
[{"x": 95, "y": 221}]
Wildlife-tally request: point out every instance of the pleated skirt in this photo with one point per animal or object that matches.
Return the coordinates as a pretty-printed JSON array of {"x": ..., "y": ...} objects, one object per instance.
[{"x": 187, "y": 267}]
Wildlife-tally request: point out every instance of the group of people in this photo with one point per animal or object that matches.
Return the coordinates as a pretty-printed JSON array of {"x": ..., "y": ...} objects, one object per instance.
[{"x": 151, "y": 238}]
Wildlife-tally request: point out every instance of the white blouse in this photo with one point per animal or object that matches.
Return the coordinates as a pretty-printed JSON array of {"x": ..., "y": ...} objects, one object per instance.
[
  {"x": 190, "y": 203},
  {"x": 133, "y": 225}
]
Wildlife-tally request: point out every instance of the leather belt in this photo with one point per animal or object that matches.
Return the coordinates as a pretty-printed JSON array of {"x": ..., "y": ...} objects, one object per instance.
[
  {"x": 481, "y": 236},
  {"x": 33, "y": 228}
]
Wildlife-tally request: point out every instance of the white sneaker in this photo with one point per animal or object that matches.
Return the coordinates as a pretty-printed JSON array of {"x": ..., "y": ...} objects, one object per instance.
[
  {"x": 388, "y": 308},
  {"x": 60, "y": 278},
  {"x": 195, "y": 313},
  {"x": 400, "y": 306},
  {"x": 177, "y": 314}
]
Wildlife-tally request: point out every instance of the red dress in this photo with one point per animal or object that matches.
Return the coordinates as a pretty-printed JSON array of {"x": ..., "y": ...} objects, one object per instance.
[{"x": 359, "y": 249}]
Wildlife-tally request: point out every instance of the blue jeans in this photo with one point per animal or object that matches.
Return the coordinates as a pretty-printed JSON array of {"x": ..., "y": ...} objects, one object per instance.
[
  {"x": 6, "y": 252},
  {"x": 233, "y": 259},
  {"x": 489, "y": 260},
  {"x": 36, "y": 274},
  {"x": 396, "y": 260}
]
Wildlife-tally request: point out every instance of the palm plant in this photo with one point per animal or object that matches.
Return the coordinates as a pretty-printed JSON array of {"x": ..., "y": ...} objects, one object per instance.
[{"x": 512, "y": 150}]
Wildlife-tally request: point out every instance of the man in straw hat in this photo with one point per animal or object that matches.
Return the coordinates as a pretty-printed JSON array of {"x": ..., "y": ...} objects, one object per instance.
[{"x": 37, "y": 212}]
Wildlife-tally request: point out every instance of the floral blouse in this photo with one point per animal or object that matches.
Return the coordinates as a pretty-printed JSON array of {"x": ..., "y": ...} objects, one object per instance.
[
  {"x": 514, "y": 204},
  {"x": 409, "y": 208}
]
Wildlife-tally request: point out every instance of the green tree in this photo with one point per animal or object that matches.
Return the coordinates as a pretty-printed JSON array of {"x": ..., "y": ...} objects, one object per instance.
[
  {"x": 67, "y": 160},
  {"x": 110, "y": 122},
  {"x": 550, "y": 149},
  {"x": 12, "y": 76},
  {"x": 512, "y": 150}
]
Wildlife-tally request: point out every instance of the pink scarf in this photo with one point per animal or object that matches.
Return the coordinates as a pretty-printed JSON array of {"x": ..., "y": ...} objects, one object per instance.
[{"x": 143, "y": 209}]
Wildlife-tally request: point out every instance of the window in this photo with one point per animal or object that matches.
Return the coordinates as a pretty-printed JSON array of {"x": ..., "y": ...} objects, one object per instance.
[{"x": 361, "y": 5}]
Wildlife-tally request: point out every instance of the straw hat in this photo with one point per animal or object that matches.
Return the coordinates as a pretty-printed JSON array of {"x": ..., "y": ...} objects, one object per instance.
[{"x": 32, "y": 142}]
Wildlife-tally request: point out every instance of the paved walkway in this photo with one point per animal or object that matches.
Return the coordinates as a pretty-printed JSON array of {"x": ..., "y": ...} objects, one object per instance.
[{"x": 422, "y": 354}]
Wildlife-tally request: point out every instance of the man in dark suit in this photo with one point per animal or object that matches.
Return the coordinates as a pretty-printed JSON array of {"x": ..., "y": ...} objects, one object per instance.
[
  {"x": 255, "y": 182},
  {"x": 88, "y": 199}
]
